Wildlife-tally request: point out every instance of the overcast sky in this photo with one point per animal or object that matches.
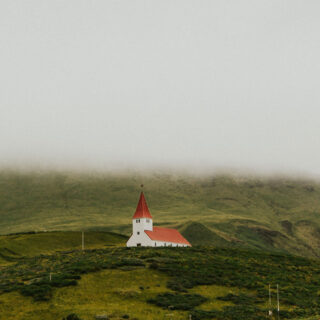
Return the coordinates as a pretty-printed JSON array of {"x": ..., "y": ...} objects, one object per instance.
[{"x": 196, "y": 84}]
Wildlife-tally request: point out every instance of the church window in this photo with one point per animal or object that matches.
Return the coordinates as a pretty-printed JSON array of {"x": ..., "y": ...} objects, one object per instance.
[
  {"x": 148, "y": 220},
  {"x": 138, "y": 232},
  {"x": 138, "y": 221}
]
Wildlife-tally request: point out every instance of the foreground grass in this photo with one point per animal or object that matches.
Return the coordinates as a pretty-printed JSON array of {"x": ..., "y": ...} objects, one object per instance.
[
  {"x": 147, "y": 283},
  {"x": 112, "y": 292},
  {"x": 102, "y": 293}
]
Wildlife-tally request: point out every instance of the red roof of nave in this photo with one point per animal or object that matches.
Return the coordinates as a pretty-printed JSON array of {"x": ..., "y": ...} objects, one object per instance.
[
  {"x": 166, "y": 235},
  {"x": 142, "y": 210}
]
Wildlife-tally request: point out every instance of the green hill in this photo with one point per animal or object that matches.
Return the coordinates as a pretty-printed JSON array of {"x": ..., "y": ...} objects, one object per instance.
[
  {"x": 278, "y": 214},
  {"x": 198, "y": 234},
  {"x": 147, "y": 283},
  {"x": 15, "y": 246}
]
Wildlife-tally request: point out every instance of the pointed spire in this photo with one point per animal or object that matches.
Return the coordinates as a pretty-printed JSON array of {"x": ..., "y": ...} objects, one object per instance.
[{"x": 142, "y": 210}]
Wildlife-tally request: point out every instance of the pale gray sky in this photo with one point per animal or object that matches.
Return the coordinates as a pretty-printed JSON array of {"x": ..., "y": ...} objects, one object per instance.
[{"x": 229, "y": 83}]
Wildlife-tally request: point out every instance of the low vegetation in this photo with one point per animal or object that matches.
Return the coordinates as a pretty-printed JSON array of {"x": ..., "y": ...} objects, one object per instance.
[
  {"x": 161, "y": 281},
  {"x": 176, "y": 301}
]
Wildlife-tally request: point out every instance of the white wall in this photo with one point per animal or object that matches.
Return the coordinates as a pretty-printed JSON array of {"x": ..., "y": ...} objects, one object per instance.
[
  {"x": 141, "y": 238},
  {"x": 139, "y": 225},
  {"x": 145, "y": 241},
  {"x": 168, "y": 244}
]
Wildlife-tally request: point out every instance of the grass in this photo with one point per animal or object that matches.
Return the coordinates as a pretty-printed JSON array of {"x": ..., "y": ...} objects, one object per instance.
[
  {"x": 33, "y": 244},
  {"x": 212, "y": 292},
  {"x": 208, "y": 282},
  {"x": 96, "y": 294},
  {"x": 278, "y": 214}
]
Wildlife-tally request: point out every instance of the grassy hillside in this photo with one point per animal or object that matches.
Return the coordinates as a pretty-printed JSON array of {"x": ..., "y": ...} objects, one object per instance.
[
  {"x": 151, "y": 284},
  {"x": 269, "y": 214},
  {"x": 13, "y": 247}
]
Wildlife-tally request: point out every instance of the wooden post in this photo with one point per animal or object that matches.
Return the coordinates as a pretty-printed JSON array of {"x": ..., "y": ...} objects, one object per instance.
[
  {"x": 50, "y": 276},
  {"x": 269, "y": 297},
  {"x": 82, "y": 240},
  {"x": 278, "y": 302},
  {"x": 270, "y": 306}
]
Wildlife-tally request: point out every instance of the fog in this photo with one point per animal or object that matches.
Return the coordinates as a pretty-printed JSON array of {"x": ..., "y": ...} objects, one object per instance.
[{"x": 161, "y": 84}]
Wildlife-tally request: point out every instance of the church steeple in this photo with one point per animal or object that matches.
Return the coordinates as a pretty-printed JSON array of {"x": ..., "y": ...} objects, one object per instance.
[
  {"x": 142, "y": 210},
  {"x": 142, "y": 219}
]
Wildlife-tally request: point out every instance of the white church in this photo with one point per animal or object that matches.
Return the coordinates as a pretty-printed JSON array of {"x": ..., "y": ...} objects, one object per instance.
[{"x": 144, "y": 234}]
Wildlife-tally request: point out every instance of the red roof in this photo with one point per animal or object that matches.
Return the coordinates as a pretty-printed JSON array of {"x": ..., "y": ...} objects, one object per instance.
[
  {"x": 166, "y": 235},
  {"x": 142, "y": 210}
]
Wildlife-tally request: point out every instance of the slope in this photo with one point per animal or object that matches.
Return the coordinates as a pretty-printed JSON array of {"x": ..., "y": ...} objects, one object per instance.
[
  {"x": 16, "y": 246},
  {"x": 267, "y": 213},
  {"x": 149, "y": 283}
]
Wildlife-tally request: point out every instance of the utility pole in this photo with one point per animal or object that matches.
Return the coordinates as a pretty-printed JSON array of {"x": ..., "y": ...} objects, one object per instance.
[
  {"x": 278, "y": 302},
  {"x": 269, "y": 296},
  {"x": 82, "y": 241},
  {"x": 270, "y": 306}
]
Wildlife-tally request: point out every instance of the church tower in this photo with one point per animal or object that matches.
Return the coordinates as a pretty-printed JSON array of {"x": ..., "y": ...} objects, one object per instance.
[{"x": 142, "y": 219}]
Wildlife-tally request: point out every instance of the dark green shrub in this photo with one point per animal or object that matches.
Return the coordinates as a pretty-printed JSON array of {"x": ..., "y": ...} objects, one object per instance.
[
  {"x": 238, "y": 299},
  {"x": 203, "y": 315},
  {"x": 231, "y": 313},
  {"x": 129, "y": 262},
  {"x": 38, "y": 292},
  {"x": 177, "y": 301},
  {"x": 71, "y": 316},
  {"x": 242, "y": 312},
  {"x": 176, "y": 286}
]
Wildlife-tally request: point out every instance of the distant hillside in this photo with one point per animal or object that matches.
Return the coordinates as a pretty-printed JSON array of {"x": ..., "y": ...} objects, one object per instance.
[{"x": 268, "y": 214}]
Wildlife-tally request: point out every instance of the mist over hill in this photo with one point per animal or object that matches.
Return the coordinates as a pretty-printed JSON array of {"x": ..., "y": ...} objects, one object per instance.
[{"x": 277, "y": 214}]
